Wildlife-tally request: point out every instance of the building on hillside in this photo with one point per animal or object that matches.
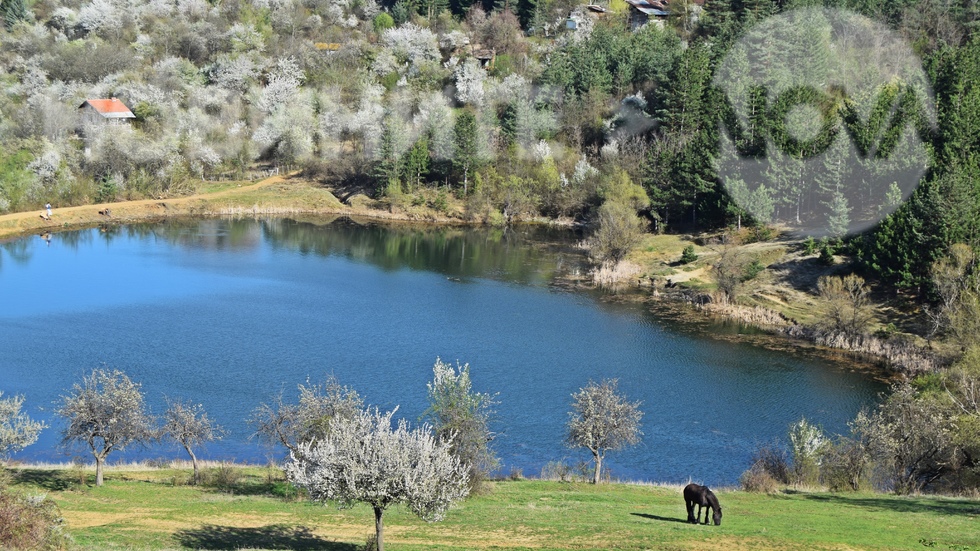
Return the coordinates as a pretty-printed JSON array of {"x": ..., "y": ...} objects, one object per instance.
[
  {"x": 644, "y": 11},
  {"x": 96, "y": 115},
  {"x": 688, "y": 12},
  {"x": 112, "y": 111}
]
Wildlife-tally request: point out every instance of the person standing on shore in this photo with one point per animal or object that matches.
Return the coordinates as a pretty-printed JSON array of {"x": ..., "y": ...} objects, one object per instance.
[{"x": 48, "y": 207}]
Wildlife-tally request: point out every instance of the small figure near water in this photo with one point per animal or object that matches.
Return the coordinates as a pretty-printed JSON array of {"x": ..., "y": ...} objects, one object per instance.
[
  {"x": 47, "y": 207},
  {"x": 705, "y": 499}
]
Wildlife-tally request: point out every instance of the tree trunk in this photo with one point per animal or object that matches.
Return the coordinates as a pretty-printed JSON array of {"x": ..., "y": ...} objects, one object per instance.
[
  {"x": 99, "y": 460},
  {"x": 197, "y": 473},
  {"x": 379, "y": 528},
  {"x": 598, "y": 468}
]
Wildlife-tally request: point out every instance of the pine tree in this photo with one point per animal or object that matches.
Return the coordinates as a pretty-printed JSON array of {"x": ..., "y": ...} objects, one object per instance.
[
  {"x": 13, "y": 12},
  {"x": 416, "y": 163},
  {"x": 466, "y": 150}
]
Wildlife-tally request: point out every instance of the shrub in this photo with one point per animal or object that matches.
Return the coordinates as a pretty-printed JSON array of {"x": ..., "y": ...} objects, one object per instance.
[
  {"x": 808, "y": 443},
  {"x": 772, "y": 458},
  {"x": 382, "y": 22},
  {"x": 827, "y": 253},
  {"x": 288, "y": 491},
  {"x": 30, "y": 522},
  {"x": 753, "y": 269},
  {"x": 441, "y": 202},
  {"x": 846, "y": 466},
  {"x": 107, "y": 190},
  {"x": 758, "y": 479},
  {"x": 763, "y": 233},
  {"x": 557, "y": 470},
  {"x": 225, "y": 476},
  {"x": 809, "y": 246},
  {"x": 688, "y": 255}
]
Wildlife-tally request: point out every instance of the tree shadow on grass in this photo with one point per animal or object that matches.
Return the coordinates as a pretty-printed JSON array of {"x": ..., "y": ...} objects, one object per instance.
[
  {"x": 936, "y": 505},
  {"x": 662, "y": 519},
  {"x": 50, "y": 480},
  {"x": 275, "y": 536}
]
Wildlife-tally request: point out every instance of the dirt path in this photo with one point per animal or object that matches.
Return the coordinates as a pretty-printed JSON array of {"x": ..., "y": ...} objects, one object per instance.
[{"x": 22, "y": 223}]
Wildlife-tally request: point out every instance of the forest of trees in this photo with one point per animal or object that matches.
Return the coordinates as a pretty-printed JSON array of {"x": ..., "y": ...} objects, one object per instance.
[{"x": 393, "y": 98}]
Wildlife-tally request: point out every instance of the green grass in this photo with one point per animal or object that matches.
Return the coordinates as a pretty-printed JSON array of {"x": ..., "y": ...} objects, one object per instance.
[{"x": 143, "y": 509}]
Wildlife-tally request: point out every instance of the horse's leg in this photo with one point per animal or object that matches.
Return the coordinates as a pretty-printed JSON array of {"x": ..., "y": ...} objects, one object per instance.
[{"x": 690, "y": 511}]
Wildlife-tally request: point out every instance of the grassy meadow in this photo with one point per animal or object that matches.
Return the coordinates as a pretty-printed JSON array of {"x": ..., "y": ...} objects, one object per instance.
[{"x": 253, "y": 508}]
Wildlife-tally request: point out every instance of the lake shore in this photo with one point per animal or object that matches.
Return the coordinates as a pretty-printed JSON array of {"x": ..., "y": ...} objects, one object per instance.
[
  {"x": 276, "y": 195},
  {"x": 780, "y": 302}
]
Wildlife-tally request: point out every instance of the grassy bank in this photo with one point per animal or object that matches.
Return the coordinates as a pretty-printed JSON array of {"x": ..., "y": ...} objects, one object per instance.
[
  {"x": 278, "y": 195},
  {"x": 253, "y": 508}
]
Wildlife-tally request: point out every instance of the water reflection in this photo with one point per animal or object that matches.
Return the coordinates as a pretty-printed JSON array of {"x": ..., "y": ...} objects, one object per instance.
[{"x": 523, "y": 255}]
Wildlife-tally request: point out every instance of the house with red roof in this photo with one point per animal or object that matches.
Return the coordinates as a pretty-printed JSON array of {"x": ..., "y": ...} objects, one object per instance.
[{"x": 105, "y": 111}]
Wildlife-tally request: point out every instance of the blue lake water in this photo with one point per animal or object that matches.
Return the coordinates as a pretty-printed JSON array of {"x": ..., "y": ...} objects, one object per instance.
[{"x": 229, "y": 313}]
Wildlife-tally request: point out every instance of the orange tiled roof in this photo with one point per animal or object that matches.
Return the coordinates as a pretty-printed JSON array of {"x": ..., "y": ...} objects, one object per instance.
[{"x": 109, "y": 108}]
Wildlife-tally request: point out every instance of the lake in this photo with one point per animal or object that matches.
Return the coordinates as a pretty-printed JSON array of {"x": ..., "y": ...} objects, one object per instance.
[{"x": 230, "y": 313}]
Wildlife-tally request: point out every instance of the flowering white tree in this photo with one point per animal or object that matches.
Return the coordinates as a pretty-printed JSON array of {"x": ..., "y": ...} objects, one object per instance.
[
  {"x": 284, "y": 80},
  {"x": 233, "y": 72},
  {"x": 188, "y": 425},
  {"x": 808, "y": 442},
  {"x": 364, "y": 459},
  {"x": 365, "y": 124},
  {"x": 104, "y": 413},
  {"x": 603, "y": 420},
  {"x": 435, "y": 118},
  {"x": 46, "y": 165},
  {"x": 17, "y": 430},
  {"x": 100, "y": 16},
  {"x": 411, "y": 43},
  {"x": 469, "y": 82}
]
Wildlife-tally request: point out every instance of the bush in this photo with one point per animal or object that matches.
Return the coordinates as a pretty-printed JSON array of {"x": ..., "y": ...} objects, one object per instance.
[
  {"x": 809, "y": 246},
  {"x": 758, "y": 479},
  {"x": 225, "y": 476},
  {"x": 688, "y": 255},
  {"x": 441, "y": 202},
  {"x": 753, "y": 269},
  {"x": 288, "y": 491},
  {"x": 772, "y": 458},
  {"x": 382, "y": 22},
  {"x": 557, "y": 470},
  {"x": 808, "y": 443},
  {"x": 846, "y": 466},
  {"x": 827, "y": 253},
  {"x": 30, "y": 522},
  {"x": 763, "y": 233},
  {"x": 107, "y": 190}
]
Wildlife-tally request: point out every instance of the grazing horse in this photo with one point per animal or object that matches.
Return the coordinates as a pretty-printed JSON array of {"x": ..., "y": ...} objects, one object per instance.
[{"x": 704, "y": 499}]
